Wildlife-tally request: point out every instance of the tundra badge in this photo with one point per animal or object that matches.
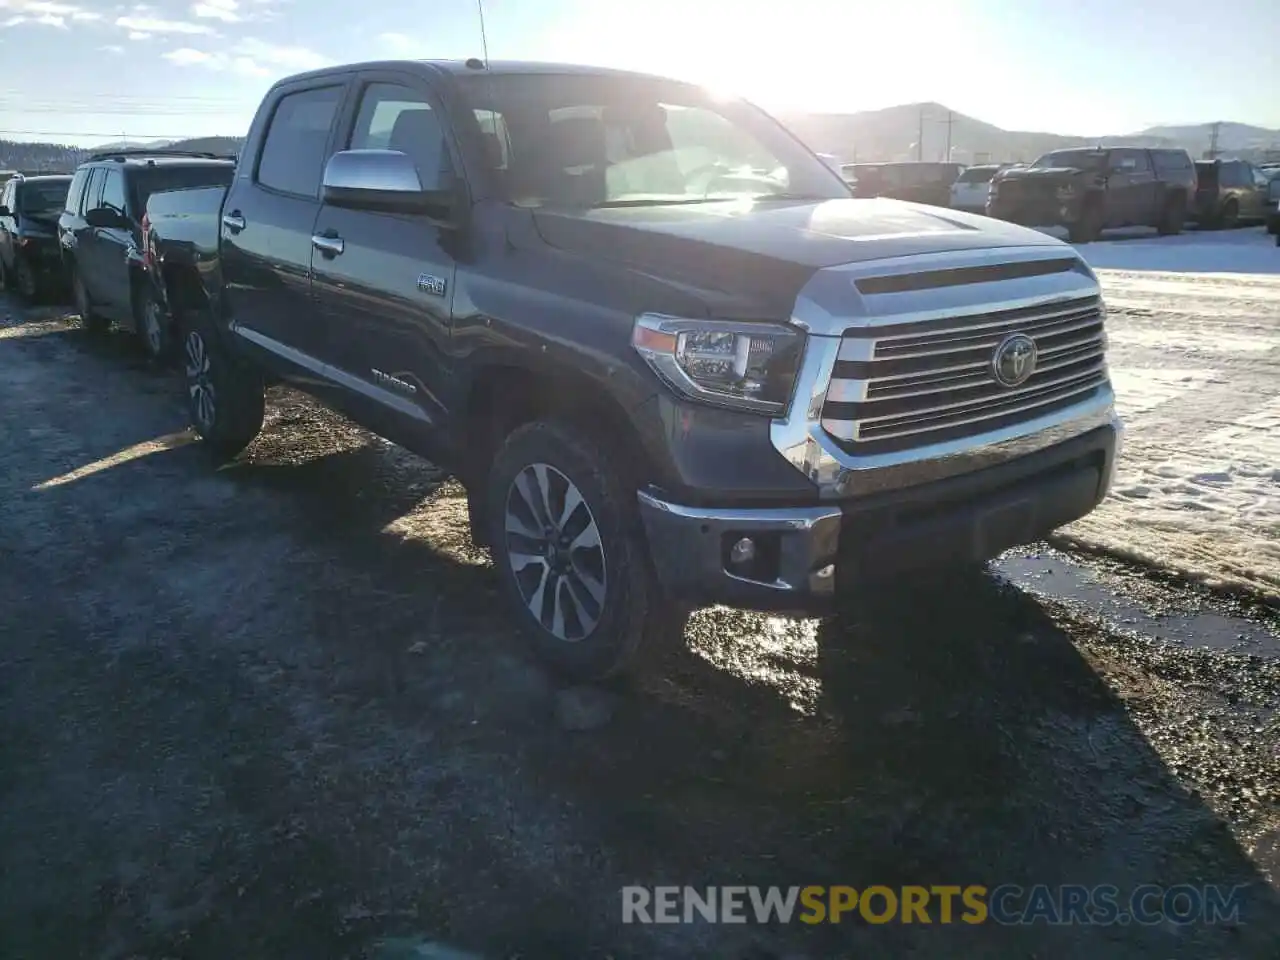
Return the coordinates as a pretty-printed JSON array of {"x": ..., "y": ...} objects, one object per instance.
[
  {"x": 391, "y": 380},
  {"x": 432, "y": 285}
]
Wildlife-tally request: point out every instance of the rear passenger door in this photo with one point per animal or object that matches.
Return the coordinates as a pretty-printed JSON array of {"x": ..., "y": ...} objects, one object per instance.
[
  {"x": 266, "y": 228},
  {"x": 386, "y": 297}
]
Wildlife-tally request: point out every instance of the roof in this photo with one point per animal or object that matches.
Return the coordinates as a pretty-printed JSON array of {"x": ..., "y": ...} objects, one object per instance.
[
  {"x": 143, "y": 159},
  {"x": 47, "y": 178},
  {"x": 475, "y": 67}
]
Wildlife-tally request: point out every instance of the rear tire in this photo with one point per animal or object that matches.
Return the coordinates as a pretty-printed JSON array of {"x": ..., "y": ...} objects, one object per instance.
[
  {"x": 225, "y": 395},
  {"x": 562, "y": 517},
  {"x": 1174, "y": 215},
  {"x": 92, "y": 321},
  {"x": 1229, "y": 219}
]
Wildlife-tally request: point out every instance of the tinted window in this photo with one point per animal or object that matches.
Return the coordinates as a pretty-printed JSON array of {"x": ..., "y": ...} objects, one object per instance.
[
  {"x": 158, "y": 179},
  {"x": 113, "y": 191},
  {"x": 977, "y": 175},
  {"x": 77, "y": 188},
  {"x": 293, "y": 153},
  {"x": 1130, "y": 161},
  {"x": 393, "y": 117}
]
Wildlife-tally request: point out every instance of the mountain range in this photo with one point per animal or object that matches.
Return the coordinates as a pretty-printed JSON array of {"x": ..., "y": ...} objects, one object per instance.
[{"x": 906, "y": 132}]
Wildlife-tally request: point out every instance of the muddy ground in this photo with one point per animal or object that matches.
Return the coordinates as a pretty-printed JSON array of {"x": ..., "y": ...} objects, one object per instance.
[{"x": 276, "y": 710}]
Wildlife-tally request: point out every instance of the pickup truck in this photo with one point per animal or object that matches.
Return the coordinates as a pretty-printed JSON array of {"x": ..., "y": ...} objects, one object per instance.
[
  {"x": 1089, "y": 190},
  {"x": 669, "y": 356}
]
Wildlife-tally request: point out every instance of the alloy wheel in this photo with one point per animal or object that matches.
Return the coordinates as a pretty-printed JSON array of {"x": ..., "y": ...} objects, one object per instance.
[
  {"x": 199, "y": 384},
  {"x": 151, "y": 328},
  {"x": 554, "y": 550}
]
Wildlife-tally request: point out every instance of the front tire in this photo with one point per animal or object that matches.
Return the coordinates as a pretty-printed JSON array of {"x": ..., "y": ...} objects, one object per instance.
[
  {"x": 25, "y": 280},
  {"x": 225, "y": 396},
  {"x": 155, "y": 330},
  {"x": 569, "y": 550},
  {"x": 1230, "y": 217},
  {"x": 1089, "y": 227}
]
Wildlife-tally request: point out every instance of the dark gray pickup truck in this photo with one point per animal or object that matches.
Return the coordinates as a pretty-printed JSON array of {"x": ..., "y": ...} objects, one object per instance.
[{"x": 672, "y": 360}]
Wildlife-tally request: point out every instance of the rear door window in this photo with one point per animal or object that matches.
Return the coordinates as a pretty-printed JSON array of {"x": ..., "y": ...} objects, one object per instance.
[{"x": 294, "y": 150}]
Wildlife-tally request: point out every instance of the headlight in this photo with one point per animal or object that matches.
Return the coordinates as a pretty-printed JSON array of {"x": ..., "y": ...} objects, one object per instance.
[{"x": 744, "y": 366}]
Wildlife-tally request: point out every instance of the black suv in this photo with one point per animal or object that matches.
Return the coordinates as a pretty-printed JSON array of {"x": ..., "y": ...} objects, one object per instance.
[
  {"x": 29, "y": 208},
  {"x": 100, "y": 234},
  {"x": 1088, "y": 190}
]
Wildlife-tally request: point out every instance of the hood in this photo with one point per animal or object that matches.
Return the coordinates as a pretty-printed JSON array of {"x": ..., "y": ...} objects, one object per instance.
[
  {"x": 765, "y": 252},
  {"x": 1042, "y": 173}
]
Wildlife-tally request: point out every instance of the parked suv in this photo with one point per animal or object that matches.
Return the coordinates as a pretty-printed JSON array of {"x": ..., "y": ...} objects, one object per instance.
[
  {"x": 29, "y": 260},
  {"x": 672, "y": 361},
  {"x": 1088, "y": 190},
  {"x": 920, "y": 181},
  {"x": 100, "y": 235},
  {"x": 973, "y": 187},
  {"x": 1229, "y": 192}
]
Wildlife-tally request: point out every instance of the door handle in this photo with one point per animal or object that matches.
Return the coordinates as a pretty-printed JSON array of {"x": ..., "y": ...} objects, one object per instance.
[
  {"x": 328, "y": 245},
  {"x": 233, "y": 221}
]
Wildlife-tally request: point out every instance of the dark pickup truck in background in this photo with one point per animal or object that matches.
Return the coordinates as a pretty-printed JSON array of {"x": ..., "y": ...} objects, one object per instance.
[
  {"x": 671, "y": 359},
  {"x": 1089, "y": 190}
]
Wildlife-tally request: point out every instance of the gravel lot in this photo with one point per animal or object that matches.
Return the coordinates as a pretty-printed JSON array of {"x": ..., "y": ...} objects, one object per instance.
[{"x": 276, "y": 711}]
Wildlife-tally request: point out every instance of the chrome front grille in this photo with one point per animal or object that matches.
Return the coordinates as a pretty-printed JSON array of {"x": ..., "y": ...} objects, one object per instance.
[{"x": 914, "y": 384}]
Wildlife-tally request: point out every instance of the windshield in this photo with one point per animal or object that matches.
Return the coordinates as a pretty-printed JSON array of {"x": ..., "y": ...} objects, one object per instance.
[
  {"x": 595, "y": 141},
  {"x": 1084, "y": 159},
  {"x": 39, "y": 198}
]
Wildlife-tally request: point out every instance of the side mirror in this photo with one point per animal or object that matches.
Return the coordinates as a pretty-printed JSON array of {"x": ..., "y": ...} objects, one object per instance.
[
  {"x": 385, "y": 180},
  {"x": 104, "y": 217},
  {"x": 4, "y": 211}
]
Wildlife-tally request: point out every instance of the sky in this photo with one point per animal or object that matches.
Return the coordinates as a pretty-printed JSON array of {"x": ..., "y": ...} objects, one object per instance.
[{"x": 88, "y": 71}]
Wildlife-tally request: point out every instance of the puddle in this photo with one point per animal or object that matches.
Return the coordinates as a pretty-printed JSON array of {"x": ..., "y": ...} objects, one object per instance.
[{"x": 1057, "y": 578}]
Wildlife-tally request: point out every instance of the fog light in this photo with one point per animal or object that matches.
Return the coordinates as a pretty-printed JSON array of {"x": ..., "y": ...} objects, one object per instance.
[{"x": 744, "y": 551}]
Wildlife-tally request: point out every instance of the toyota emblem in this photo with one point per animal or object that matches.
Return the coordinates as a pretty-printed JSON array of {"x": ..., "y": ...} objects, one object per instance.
[{"x": 1014, "y": 360}]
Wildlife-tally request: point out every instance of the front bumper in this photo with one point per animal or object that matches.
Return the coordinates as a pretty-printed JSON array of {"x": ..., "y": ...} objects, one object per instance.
[{"x": 806, "y": 556}]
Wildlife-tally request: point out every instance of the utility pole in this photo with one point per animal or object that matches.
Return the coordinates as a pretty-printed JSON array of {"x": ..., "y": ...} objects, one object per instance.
[
  {"x": 951, "y": 118},
  {"x": 1213, "y": 140},
  {"x": 920, "y": 136}
]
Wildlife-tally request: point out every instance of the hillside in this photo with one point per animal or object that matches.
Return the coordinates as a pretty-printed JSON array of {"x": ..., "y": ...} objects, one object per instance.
[
  {"x": 59, "y": 158},
  {"x": 888, "y": 134},
  {"x": 893, "y": 134}
]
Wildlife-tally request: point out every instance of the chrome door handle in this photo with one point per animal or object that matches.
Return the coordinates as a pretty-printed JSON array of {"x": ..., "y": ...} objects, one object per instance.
[
  {"x": 330, "y": 246},
  {"x": 233, "y": 222}
]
